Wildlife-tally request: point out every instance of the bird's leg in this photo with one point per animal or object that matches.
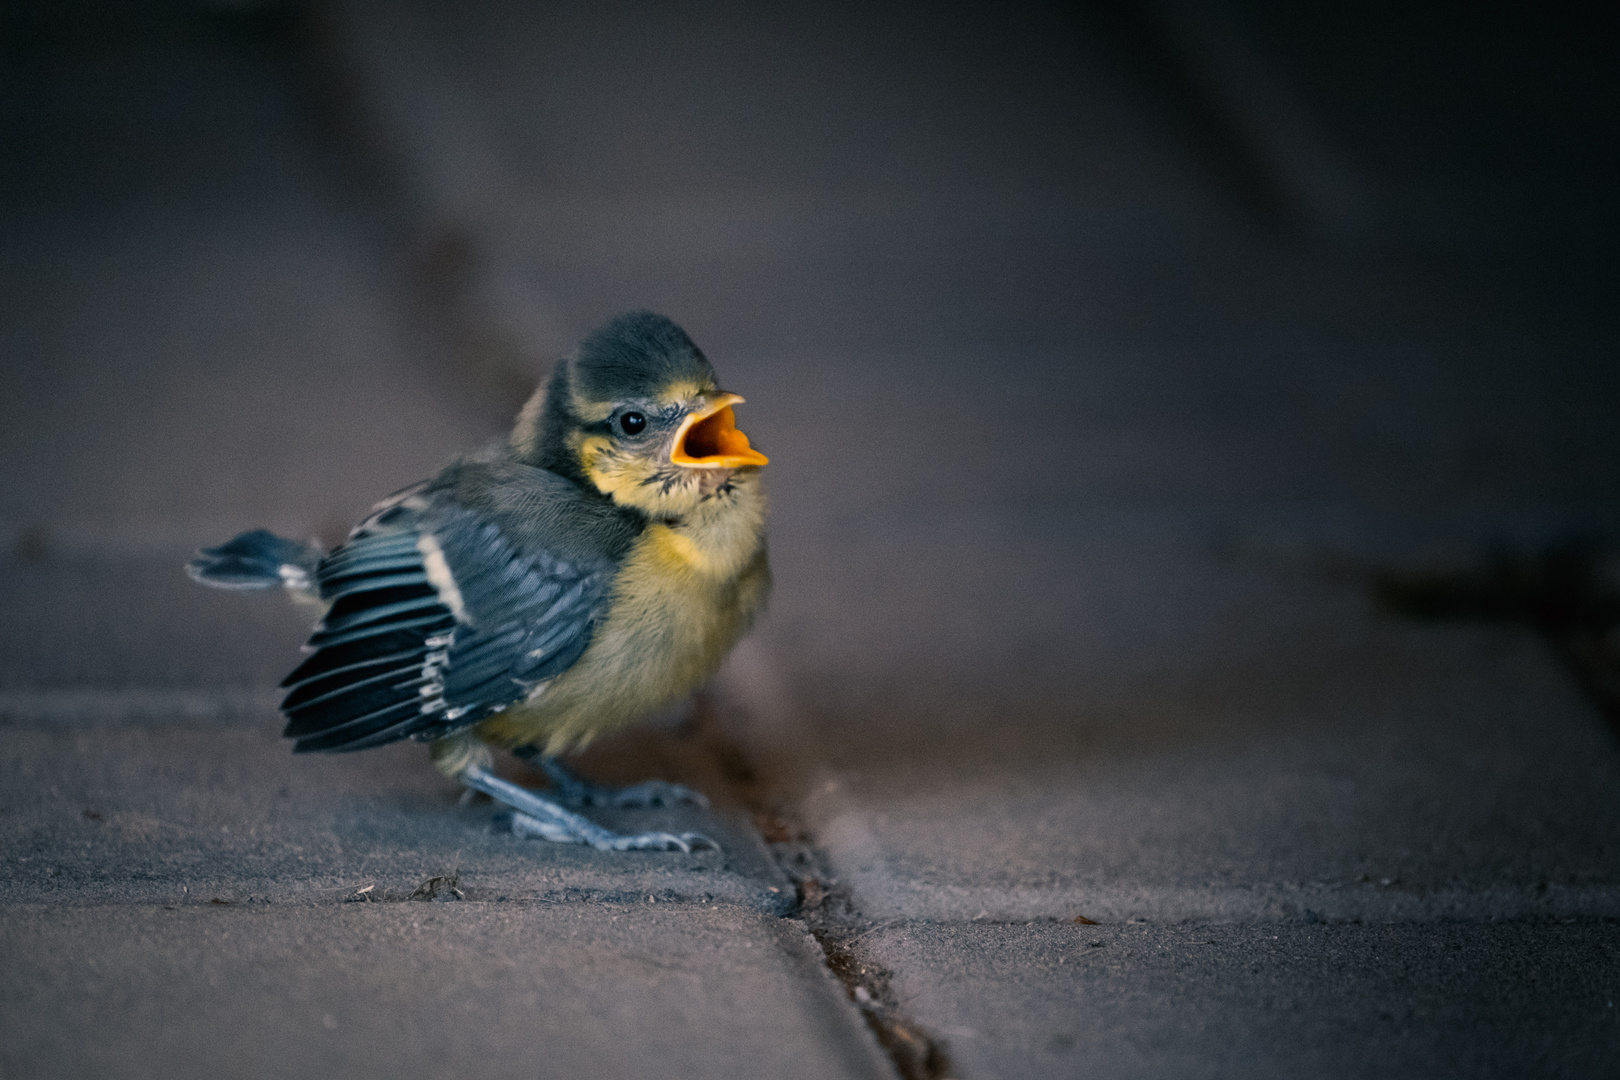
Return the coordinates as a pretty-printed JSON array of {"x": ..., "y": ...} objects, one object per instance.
[
  {"x": 574, "y": 790},
  {"x": 536, "y": 815}
]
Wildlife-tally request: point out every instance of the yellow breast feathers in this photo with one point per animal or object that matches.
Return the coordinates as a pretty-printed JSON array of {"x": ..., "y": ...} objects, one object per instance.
[{"x": 684, "y": 595}]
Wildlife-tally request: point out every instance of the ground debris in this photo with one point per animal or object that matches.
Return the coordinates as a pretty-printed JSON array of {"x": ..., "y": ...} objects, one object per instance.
[{"x": 440, "y": 887}]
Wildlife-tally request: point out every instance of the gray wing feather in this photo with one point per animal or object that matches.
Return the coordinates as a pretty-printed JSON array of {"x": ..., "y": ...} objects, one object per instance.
[
  {"x": 393, "y": 660},
  {"x": 533, "y": 597}
]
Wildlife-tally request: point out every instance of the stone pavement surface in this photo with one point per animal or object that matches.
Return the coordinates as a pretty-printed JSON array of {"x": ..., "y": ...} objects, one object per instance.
[
  {"x": 217, "y": 809},
  {"x": 437, "y": 990},
  {"x": 1409, "y": 775},
  {"x": 1086, "y": 434},
  {"x": 1330, "y": 1000}
]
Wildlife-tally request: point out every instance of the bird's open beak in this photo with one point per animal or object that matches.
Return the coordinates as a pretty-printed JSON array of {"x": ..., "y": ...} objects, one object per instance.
[{"x": 708, "y": 438}]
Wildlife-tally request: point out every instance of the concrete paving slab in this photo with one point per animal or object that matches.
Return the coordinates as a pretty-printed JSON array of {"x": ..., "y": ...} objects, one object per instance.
[
  {"x": 1331, "y": 1000},
  {"x": 1357, "y": 767},
  {"x": 155, "y": 811},
  {"x": 420, "y": 989}
]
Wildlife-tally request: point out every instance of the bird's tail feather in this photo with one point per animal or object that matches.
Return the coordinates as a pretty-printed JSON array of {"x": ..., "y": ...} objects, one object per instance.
[{"x": 257, "y": 560}]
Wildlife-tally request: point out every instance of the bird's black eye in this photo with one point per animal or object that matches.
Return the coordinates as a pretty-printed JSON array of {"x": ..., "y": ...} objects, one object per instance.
[{"x": 632, "y": 423}]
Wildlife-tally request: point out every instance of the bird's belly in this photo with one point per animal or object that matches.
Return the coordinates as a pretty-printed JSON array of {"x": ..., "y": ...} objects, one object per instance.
[{"x": 666, "y": 632}]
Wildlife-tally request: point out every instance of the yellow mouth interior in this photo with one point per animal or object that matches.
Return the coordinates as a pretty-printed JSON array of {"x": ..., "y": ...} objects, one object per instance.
[{"x": 714, "y": 441}]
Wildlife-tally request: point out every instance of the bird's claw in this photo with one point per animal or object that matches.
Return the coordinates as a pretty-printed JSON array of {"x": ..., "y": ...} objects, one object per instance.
[
  {"x": 696, "y": 841},
  {"x": 536, "y": 815},
  {"x": 663, "y": 841},
  {"x": 602, "y": 840}
]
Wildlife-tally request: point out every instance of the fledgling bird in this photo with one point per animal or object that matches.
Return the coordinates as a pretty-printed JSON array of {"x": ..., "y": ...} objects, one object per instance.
[{"x": 600, "y": 566}]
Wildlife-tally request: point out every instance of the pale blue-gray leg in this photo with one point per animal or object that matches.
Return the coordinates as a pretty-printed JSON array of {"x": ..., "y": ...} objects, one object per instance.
[
  {"x": 574, "y": 790},
  {"x": 536, "y": 815}
]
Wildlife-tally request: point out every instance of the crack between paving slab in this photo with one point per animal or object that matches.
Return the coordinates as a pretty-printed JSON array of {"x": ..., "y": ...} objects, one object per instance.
[{"x": 827, "y": 910}]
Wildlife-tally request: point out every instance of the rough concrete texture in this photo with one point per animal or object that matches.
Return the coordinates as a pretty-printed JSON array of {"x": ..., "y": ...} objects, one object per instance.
[
  {"x": 1368, "y": 769},
  {"x": 153, "y": 811},
  {"x": 419, "y": 989},
  {"x": 1532, "y": 998}
]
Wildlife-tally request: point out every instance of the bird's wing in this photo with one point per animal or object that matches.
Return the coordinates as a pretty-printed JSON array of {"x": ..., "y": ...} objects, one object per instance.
[{"x": 437, "y": 620}]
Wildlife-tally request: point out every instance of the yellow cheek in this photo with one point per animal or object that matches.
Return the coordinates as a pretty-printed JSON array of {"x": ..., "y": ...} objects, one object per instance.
[
  {"x": 591, "y": 451},
  {"x": 619, "y": 477}
]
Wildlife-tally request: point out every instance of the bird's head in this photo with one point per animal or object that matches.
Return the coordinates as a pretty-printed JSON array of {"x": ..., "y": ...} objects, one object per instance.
[{"x": 635, "y": 412}]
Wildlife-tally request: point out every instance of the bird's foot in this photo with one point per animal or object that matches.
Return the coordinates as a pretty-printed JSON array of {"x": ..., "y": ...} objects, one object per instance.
[
  {"x": 605, "y": 840},
  {"x": 536, "y": 815},
  {"x": 574, "y": 790}
]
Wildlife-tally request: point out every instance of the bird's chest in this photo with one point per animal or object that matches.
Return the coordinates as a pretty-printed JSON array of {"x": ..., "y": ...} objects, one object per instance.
[
  {"x": 680, "y": 602},
  {"x": 682, "y": 598}
]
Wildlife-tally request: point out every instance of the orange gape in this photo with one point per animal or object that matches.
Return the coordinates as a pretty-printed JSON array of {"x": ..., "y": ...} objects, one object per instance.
[
  {"x": 716, "y": 436},
  {"x": 713, "y": 441}
]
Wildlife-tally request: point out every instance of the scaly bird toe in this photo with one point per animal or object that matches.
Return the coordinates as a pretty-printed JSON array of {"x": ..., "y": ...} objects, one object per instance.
[
  {"x": 524, "y": 825},
  {"x": 536, "y": 815}
]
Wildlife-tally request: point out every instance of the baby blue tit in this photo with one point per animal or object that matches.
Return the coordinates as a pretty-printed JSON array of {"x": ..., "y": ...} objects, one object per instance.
[{"x": 600, "y": 567}]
